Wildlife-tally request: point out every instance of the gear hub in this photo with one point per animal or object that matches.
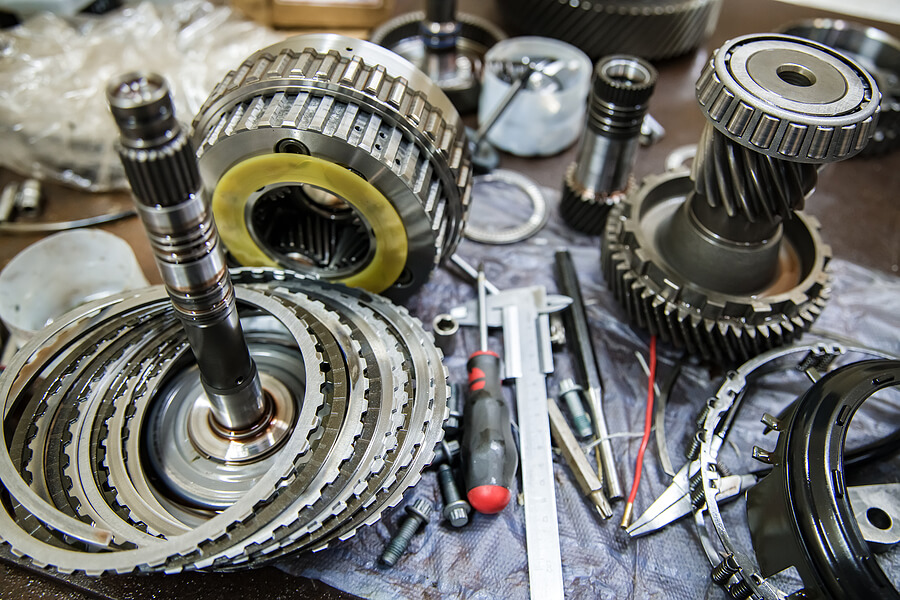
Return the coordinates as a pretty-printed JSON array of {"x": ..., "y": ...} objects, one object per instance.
[{"x": 722, "y": 262}]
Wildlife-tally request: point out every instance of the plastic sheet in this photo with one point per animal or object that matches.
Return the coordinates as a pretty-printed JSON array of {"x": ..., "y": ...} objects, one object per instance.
[
  {"x": 487, "y": 559},
  {"x": 54, "y": 123}
]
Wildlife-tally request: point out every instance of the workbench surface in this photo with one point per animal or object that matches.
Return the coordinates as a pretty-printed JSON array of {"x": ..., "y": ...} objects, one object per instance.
[{"x": 856, "y": 203}]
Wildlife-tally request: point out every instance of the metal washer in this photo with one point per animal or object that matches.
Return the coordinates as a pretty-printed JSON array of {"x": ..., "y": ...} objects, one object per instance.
[{"x": 516, "y": 233}]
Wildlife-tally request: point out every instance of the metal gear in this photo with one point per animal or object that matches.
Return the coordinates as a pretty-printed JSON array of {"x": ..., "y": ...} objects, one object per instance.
[
  {"x": 336, "y": 157},
  {"x": 722, "y": 263},
  {"x": 104, "y": 408},
  {"x": 879, "y": 53},
  {"x": 601, "y": 174},
  {"x": 651, "y": 29}
]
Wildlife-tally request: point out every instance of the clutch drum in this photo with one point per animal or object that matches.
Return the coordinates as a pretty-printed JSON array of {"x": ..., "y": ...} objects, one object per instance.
[{"x": 337, "y": 158}]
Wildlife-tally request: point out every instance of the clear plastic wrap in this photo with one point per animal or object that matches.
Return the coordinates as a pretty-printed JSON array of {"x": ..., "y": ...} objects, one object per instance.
[{"x": 54, "y": 123}]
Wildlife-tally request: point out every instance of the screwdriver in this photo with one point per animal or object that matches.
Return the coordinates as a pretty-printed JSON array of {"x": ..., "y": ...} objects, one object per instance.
[{"x": 489, "y": 451}]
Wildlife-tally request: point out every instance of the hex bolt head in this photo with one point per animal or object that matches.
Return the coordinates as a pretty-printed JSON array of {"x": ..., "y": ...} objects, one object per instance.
[
  {"x": 417, "y": 513},
  {"x": 456, "y": 509}
]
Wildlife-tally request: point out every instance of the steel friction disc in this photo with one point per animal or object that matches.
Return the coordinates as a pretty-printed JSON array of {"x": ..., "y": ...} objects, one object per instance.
[{"x": 104, "y": 473}]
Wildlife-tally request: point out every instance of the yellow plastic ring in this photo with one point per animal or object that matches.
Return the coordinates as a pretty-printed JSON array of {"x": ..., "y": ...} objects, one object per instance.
[{"x": 242, "y": 180}]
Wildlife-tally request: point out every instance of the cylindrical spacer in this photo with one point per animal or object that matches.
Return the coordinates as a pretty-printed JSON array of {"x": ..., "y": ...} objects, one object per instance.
[
  {"x": 162, "y": 169},
  {"x": 620, "y": 92}
]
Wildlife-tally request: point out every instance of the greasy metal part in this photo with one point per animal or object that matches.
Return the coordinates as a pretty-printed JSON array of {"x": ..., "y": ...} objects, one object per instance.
[
  {"x": 456, "y": 509},
  {"x": 445, "y": 328},
  {"x": 876, "y": 509},
  {"x": 724, "y": 264},
  {"x": 418, "y": 514},
  {"x": 370, "y": 398},
  {"x": 800, "y": 514},
  {"x": 447, "y": 46},
  {"x": 570, "y": 393},
  {"x": 879, "y": 53},
  {"x": 714, "y": 426},
  {"x": 359, "y": 166},
  {"x": 585, "y": 362},
  {"x": 601, "y": 174},
  {"x": 517, "y": 233},
  {"x": 160, "y": 165},
  {"x": 651, "y": 29},
  {"x": 454, "y": 414},
  {"x": 587, "y": 479}
]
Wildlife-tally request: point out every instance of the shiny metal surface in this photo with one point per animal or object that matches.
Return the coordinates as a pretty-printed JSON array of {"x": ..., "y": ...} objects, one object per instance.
[
  {"x": 359, "y": 106},
  {"x": 364, "y": 381},
  {"x": 160, "y": 165}
]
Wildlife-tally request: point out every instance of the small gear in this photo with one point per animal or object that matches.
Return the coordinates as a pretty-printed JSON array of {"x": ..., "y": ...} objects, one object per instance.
[{"x": 601, "y": 174}]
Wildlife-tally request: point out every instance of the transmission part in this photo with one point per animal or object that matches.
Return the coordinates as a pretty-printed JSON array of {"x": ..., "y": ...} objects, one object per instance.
[
  {"x": 723, "y": 262},
  {"x": 337, "y": 158}
]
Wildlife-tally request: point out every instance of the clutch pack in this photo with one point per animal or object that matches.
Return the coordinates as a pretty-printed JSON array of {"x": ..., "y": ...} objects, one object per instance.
[
  {"x": 201, "y": 423},
  {"x": 336, "y": 158},
  {"x": 111, "y": 462}
]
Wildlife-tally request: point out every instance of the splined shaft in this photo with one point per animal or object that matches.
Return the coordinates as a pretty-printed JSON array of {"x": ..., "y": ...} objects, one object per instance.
[
  {"x": 620, "y": 92},
  {"x": 161, "y": 166}
]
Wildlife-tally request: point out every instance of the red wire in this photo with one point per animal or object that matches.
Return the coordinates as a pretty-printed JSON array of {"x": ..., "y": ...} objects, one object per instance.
[{"x": 648, "y": 422}]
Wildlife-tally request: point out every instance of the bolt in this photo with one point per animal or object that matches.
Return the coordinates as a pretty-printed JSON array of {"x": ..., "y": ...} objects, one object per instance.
[
  {"x": 456, "y": 510},
  {"x": 417, "y": 514},
  {"x": 445, "y": 452},
  {"x": 571, "y": 394}
]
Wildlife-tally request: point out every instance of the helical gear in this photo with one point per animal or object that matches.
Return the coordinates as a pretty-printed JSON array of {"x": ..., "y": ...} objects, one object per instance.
[
  {"x": 651, "y": 29},
  {"x": 93, "y": 486},
  {"x": 723, "y": 263}
]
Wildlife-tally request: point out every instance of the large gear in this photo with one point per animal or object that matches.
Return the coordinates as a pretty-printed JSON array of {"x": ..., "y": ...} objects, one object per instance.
[
  {"x": 94, "y": 486},
  {"x": 336, "y": 157},
  {"x": 725, "y": 328},
  {"x": 651, "y": 29},
  {"x": 722, "y": 263}
]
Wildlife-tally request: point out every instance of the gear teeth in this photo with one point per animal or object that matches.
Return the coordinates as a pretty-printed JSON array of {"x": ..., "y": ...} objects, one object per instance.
[
  {"x": 356, "y": 446},
  {"x": 693, "y": 321},
  {"x": 583, "y": 210},
  {"x": 651, "y": 29},
  {"x": 367, "y": 110}
]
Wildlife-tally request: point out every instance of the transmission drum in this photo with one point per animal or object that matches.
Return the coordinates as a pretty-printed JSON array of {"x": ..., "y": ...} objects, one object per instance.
[{"x": 337, "y": 158}]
